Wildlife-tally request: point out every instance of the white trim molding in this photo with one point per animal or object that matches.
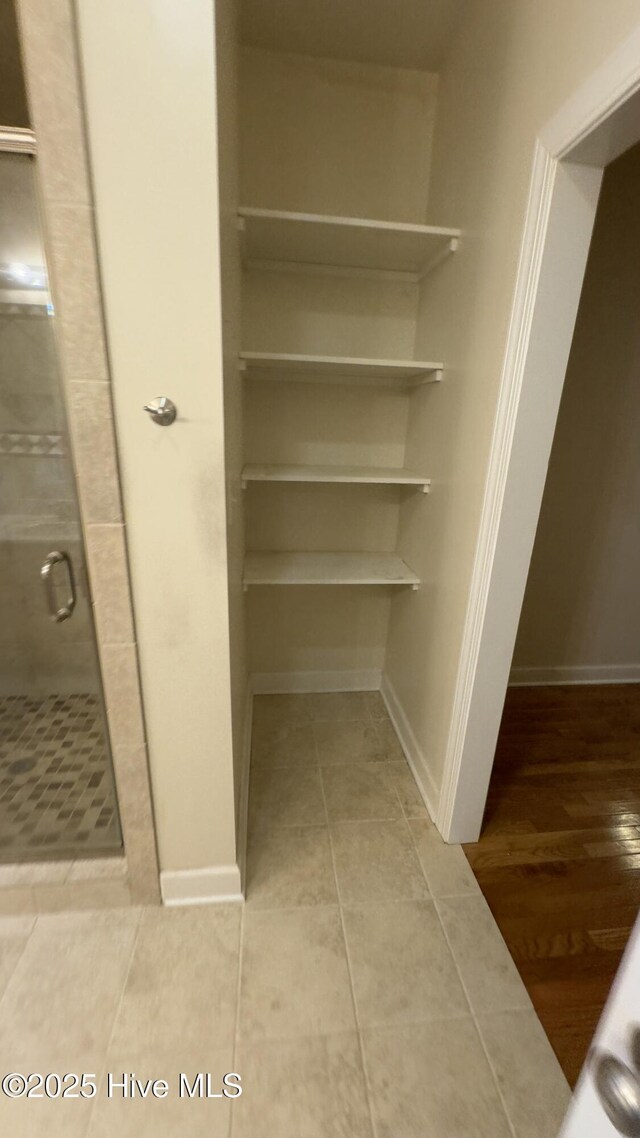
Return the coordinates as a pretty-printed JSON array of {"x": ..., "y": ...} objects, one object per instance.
[
  {"x": 582, "y": 127},
  {"x": 575, "y": 674},
  {"x": 559, "y": 220},
  {"x": 410, "y": 746},
  {"x": 276, "y": 683},
  {"x": 541, "y": 188},
  {"x": 207, "y": 886},
  {"x": 17, "y": 140},
  {"x": 243, "y": 805}
]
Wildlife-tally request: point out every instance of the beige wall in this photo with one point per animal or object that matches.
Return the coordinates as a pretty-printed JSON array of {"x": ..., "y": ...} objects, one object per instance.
[
  {"x": 150, "y": 81},
  {"x": 512, "y": 65},
  {"x": 581, "y": 608},
  {"x": 329, "y": 136}
]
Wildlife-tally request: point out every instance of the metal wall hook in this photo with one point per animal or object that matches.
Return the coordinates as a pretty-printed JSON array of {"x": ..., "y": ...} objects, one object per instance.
[{"x": 162, "y": 410}]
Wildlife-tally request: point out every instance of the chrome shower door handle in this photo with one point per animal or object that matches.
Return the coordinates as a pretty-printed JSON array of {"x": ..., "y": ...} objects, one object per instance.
[{"x": 56, "y": 557}]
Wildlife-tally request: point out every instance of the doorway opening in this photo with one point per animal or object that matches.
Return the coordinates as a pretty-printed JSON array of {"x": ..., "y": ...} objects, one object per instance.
[{"x": 559, "y": 854}]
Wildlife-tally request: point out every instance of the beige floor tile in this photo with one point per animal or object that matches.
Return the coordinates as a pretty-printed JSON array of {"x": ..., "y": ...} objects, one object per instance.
[
  {"x": 293, "y": 745},
  {"x": 277, "y": 711},
  {"x": 33, "y": 873},
  {"x": 406, "y": 788},
  {"x": 401, "y": 966},
  {"x": 182, "y": 982},
  {"x": 290, "y": 866},
  {"x": 288, "y": 796},
  {"x": 62, "y": 999},
  {"x": 390, "y": 741},
  {"x": 14, "y": 934},
  {"x": 93, "y": 868},
  {"x": 45, "y": 1118},
  {"x": 359, "y": 792},
  {"x": 376, "y": 861},
  {"x": 490, "y": 977},
  {"x": 446, "y": 869},
  {"x": 173, "y": 1115},
  {"x": 78, "y": 895},
  {"x": 337, "y": 706},
  {"x": 295, "y": 979},
  {"x": 376, "y": 707},
  {"x": 303, "y": 1088},
  {"x": 18, "y": 900},
  {"x": 535, "y": 1091},
  {"x": 349, "y": 742},
  {"x": 432, "y": 1081}
]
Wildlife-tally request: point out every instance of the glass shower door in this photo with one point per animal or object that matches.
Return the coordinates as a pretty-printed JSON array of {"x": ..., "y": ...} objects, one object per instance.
[{"x": 57, "y": 791}]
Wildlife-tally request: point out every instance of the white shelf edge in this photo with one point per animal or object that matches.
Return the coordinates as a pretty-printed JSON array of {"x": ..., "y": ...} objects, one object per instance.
[
  {"x": 327, "y": 474},
  {"x": 350, "y": 222},
  {"x": 445, "y": 237},
  {"x": 411, "y": 371},
  {"x": 318, "y": 569}
]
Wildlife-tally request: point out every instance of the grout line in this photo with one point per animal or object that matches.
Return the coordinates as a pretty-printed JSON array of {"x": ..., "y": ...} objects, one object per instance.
[
  {"x": 9, "y": 982},
  {"x": 324, "y": 803},
  {"x": 417, "y": 853},
  {"x": 474, "y": 1018},
  {"x": 441, "y": 896},
  {"x": 101, "y": 1074},
  {"x": 430, "y": 896},
  {"x": 367, "y": 1080}
]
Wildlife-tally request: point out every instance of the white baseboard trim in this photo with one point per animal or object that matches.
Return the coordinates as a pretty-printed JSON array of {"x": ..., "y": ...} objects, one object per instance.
[
  {"x": 206, "y": 886},
  {"x": 589, "y": 674},
  {"x": 411, "y": 748},
  {"x": 243, "y": 805},
  {"x": 274, "y": 683}
]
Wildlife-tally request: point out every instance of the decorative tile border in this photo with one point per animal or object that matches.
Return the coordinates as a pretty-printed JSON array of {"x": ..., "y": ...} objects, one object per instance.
[
  {"x": 54, "y": 91},
  {"x": 32, "y": 311},
  {"x": 14, "y": 442}
]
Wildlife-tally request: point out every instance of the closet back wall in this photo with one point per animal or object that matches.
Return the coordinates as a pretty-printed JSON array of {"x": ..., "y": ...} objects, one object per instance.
[
  {"x": 329, "y": 136},
  {"x": 352, "y": 139}
]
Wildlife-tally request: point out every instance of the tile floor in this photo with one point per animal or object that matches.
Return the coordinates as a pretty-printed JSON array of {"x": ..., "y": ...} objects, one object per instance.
[
  {"x": 363, "y": 990},
  {"x": 57, "y": 793}
]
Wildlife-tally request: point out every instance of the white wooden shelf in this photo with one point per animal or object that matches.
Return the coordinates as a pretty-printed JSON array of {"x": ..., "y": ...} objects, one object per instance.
[
  {"x": 327, "y": 569},
  {"x": 373, "y": 475},
  {"x": 283, "y": 239},
  {"x": 337, "y": 369}
]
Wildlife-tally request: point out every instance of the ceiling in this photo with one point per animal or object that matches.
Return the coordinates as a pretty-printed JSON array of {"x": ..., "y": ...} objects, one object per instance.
[{"x": 399, "y": 33}]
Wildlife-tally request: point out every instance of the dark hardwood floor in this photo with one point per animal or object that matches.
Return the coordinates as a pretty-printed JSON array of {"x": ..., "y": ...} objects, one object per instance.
[{"x": 559, "y": 857}]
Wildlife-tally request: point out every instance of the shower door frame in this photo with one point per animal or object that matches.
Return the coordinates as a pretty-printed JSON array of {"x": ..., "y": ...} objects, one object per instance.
[{"x": 58, "y": 147}]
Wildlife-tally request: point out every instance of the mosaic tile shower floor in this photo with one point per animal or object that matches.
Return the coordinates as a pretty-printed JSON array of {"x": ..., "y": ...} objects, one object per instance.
[{"x": 57, "y": 794}]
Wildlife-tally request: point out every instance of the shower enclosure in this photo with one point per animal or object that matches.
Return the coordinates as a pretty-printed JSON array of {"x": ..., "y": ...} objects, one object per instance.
[{"x": 57, "y": 791}]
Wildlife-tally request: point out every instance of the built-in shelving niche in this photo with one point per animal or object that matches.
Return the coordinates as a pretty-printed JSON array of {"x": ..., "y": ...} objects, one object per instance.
[{"x": 289, "y": 241}]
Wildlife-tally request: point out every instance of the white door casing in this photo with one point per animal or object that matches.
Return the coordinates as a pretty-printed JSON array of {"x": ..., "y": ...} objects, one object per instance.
[{"x": 597, "y": 124}]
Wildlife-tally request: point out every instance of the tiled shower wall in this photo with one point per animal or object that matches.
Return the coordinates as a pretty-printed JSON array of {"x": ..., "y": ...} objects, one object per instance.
[
  {"x": 35, "y": 474},
  {"x": 55, "y": 98}
]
